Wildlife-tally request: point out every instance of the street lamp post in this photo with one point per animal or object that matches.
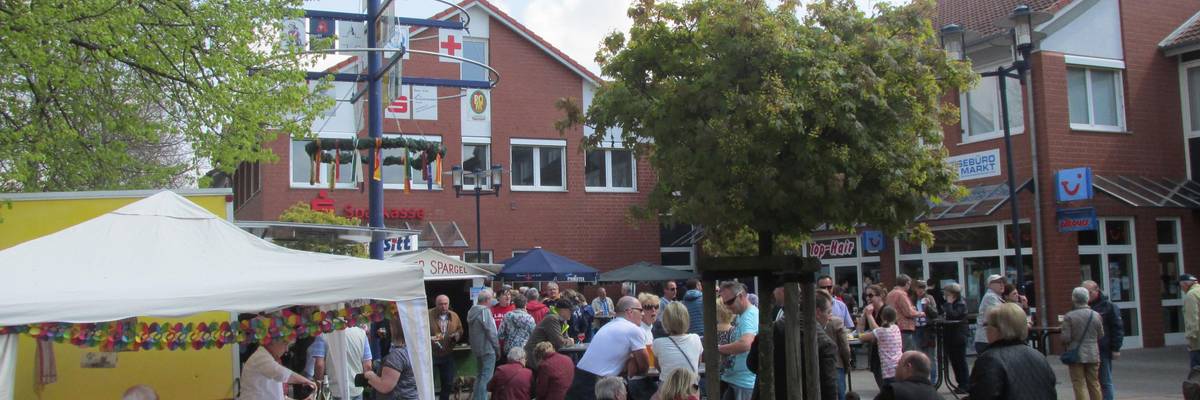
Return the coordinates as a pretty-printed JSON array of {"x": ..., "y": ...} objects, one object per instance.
[
  {"x": 1021, "y": 22},
  {"x": 478, "y": 174}
]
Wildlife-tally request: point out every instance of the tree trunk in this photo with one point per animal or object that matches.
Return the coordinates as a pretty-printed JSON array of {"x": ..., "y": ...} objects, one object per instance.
[{"x": 766, "y": 321}]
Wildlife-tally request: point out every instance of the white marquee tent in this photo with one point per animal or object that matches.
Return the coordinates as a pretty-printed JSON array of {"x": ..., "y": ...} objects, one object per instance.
[{"x": 165, "y": 256}]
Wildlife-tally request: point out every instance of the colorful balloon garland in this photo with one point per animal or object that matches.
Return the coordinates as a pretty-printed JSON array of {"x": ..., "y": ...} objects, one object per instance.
[{"x": 124, "y": 336}]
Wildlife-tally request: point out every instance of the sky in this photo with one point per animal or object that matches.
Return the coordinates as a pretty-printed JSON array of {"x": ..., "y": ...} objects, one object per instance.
[{"x": 574, "y": 26}]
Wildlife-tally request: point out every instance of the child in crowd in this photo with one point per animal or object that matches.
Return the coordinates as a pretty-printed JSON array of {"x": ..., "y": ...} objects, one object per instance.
[{"x": 887, "y": 340}]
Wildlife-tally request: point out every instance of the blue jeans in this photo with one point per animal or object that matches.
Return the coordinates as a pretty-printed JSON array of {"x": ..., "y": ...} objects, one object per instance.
[
  {"x": 1106, "y": 384},
  {"x": 487, "y": 366},
  {"x": 445, "y": 369},
  {"x": 841, "y": 376}
]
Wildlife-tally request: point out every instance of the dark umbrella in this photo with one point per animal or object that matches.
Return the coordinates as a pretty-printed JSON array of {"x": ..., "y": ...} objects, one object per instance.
[
  {"x": 642, "y": 271},
  {"x": 541, "y": 265}
]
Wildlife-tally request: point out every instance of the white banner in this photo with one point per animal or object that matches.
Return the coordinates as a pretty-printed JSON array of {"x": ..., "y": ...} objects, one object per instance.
[{"x": 970, "y": 166}]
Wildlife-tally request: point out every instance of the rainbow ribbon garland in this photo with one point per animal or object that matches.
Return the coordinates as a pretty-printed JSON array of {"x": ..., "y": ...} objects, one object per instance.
[{"x": 124, "y": 336}]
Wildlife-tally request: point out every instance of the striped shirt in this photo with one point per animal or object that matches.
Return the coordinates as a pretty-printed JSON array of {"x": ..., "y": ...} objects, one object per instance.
[{"x": 890, "y": 349}]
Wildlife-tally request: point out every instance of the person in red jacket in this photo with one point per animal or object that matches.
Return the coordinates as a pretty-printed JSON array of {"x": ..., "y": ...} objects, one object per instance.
[
  {"x": 512, "y": 381},
  {"x": 536, "y": 309},
  {"x": 555, "y": 373}
]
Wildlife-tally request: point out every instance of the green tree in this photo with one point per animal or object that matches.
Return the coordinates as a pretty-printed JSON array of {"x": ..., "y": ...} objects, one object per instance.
[
  {"x": 113, "y": 94},
  {"x": 302, "y": 213},
  {"x": 754, "y": 117}
]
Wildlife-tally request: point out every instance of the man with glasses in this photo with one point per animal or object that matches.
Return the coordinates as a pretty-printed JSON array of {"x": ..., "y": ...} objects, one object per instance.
[
  {"x": 670, "y": 292},
  {"x": 745, "y": 328},
  {"x": 839, "y": 307},
  {"x": 619, "y": 348}
]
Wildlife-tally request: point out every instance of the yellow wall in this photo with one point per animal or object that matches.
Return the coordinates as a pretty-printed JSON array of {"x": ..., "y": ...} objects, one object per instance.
[{"x": 179, "y": 374}]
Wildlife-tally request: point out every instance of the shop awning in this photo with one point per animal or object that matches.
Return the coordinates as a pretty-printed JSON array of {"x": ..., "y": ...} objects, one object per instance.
[
  {"x": 438, "y": 235},
  {"x": 440, "y": 267},
  {"x": 276, "y": 230},
  {"x": 982, "y": 200},
  {"x": 1141, "y": 191}
]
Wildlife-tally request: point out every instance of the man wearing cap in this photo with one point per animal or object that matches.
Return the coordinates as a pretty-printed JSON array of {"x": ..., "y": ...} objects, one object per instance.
[
  {"x": 1191, "y": 316},
  {"x": 990, "y": 299}
]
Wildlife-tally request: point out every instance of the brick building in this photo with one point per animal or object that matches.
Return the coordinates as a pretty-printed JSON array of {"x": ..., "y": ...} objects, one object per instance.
[
  {"x": 554, "y": 195},
  {"x": 1115, "y": 87}
]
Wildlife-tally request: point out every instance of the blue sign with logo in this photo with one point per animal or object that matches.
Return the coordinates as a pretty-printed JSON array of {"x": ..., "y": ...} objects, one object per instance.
[
  {"x": 1077, "y": 219},
  {"x": 1073, "y": 184},
  {"x": 872, "y": 241}
]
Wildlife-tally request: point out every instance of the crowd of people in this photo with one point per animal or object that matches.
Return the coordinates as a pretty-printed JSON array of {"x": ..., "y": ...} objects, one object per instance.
[{"x": 555, "y": 345}]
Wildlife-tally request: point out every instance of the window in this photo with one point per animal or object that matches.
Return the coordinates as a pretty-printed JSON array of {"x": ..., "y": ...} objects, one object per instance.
[
  {"x": 538, "y": 165},
  {"x": 981, "y": 111},
  {"x": 472, "y": 256},
  {"x": 1095, "y": 99},
  {"x": 516, "y": 253},
  {"x": 610, "y": 170},
  {"x": 1170, "y": 264},
  {"x": 393, "y": 175},
  {"x": 476, "y": 50},
  {"x": 965, "y": 239},
  {"x": 1191, "y": 77},
  {"x": 477, "y": 155},
  {"x": 302, "y": 167},
  {"x": 1109, "y": 258}
]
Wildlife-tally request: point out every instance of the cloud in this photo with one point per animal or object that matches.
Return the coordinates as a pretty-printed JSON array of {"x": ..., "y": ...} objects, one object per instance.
[{"x": 574, "y": 26}]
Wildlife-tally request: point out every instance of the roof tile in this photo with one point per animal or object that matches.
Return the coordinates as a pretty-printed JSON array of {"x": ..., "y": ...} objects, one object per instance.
[
  {"x": 980, "y": 16},
  {"x": 1188, "y": 33}
]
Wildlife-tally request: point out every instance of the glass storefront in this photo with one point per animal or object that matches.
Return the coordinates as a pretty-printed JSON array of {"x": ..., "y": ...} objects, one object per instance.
[
  {"x": 847, "y": 262},
  {"x": 1108, "y": 257}
]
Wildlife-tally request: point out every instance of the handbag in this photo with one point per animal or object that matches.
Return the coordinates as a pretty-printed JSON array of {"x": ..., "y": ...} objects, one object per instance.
[{"x": 1072, "y": 356}]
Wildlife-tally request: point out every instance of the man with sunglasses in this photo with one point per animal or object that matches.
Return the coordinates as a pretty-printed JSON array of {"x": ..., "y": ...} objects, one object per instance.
[
  {"x": 745, "y": 328},
  {"x": 839, "y": 307},
  {"x": 619, "y": 348}
]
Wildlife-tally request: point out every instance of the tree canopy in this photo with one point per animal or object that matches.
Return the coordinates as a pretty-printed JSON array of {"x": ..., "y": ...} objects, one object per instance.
[
  {"x": 754, "y": 117},
  {"x": 115, "y": 94}
]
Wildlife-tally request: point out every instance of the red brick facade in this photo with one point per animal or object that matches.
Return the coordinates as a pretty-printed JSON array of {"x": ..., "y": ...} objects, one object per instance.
[
  {"x": 590, "y": 227},
  {"x": 1152, "y": 146}
]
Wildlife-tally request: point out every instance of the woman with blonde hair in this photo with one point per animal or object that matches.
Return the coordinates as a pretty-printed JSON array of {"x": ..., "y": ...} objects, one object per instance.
[
  {"x": 679, "y": 385},
  {"x": 1009, "y": 369},
  {"x": 679, "y": 349}
]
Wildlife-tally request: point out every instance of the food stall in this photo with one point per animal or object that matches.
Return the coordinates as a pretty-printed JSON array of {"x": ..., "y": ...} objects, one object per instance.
[{"x": 183, "y": 273}]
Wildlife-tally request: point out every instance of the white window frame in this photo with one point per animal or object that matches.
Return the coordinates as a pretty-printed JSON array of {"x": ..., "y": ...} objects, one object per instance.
[
  {"x": 1103, "y": 250},
  {"x": 486, "y": 55},
  {"x": 690, "y": 250},
  {"x": 516, "y": 253},
  {"x": 478, "y": 140},
  {"x": 412, "y": 184},
  {"x": 608, "y": 172},
  {"x": 1175, "y": 338},
  {"x": 964, "y": 111},
  {"x": 1188, "y": 133},
  {"x": 1089, "y": 64},
  {"x": 537, "y": 165},
  {"x": 294, "y": 183}
]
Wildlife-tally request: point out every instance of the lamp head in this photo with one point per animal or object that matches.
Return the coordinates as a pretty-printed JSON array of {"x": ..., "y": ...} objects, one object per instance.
[
  {"x": 457, "y": 173},
  {"x": 497, "y": 178},
  {"x": 953, "y": 38}
]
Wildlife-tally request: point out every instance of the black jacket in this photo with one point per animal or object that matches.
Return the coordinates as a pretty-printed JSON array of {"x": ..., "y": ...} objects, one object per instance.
[
  {"x": 955, "y": 333},
  {"x": 826, "y": 349},
  {"x": 913, "y": 388},
  {"x": 1114, "y": 328},
  {"x": 1011, "y": 370}
]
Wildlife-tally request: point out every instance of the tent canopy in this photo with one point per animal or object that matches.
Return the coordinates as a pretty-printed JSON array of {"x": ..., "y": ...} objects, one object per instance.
[
  {"x": 438, "y": 266},
  {"x": 541, "y": 265},
  {"x": 644, "y": 271},
  {"x": 165, "y": 256}
]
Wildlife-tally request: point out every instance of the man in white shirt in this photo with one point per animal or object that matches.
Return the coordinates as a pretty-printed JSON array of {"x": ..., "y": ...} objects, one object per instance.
[
  {"x": 990, "y": 299},
  {"x": 350, "y": 355},
  {"x": 263, "y": 377},
  {"x": 618, "y": 346}
]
